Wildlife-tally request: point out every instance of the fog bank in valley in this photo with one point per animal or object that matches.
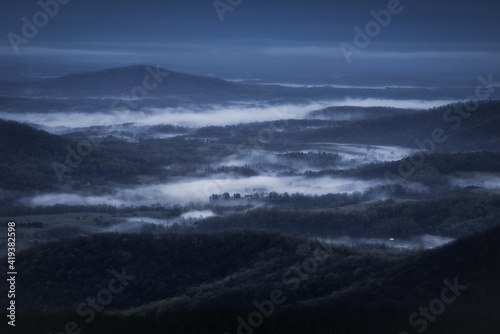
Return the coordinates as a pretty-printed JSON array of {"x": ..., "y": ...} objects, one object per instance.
[
  {"x": 135, "y": 224},
  {"x": 199, "y": 190},
  {"x": 424, "y": 241},
  {"x": 203, "y": 115},
  {"x": 476, "y": 179}
]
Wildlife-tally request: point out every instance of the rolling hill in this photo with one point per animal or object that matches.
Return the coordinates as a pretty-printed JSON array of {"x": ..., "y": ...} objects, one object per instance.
[
  {"x": 31, "y": 157},
  {"x": 146, "y": 80},
  {"x": 459, "y": 130},
  {"x": 152, "y": 83},
  {"x": 204, "y": 277}
]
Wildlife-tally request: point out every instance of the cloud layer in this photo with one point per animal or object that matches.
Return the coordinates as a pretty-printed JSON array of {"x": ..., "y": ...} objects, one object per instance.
[
  {"x": 199, "y": 190},
  {"x": 199, "y": 116}
]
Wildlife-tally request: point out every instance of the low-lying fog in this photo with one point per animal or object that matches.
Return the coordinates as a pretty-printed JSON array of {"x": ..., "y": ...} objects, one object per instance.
[
  {"x": 301, "y": 85},
  {"x": 199, "y": 190},
  {"x": 135, "y": 224},
  {"x": 350, "y": 156},
  {"x": 205, "y": 115},
  {"x": 424, "y": 241},
  {"x": 476, "y": 179},
  {"x": 356, "y": 154}
]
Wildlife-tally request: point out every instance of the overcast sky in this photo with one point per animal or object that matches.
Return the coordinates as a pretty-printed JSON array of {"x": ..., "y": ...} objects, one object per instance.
[{"x": 265, "y": 34}]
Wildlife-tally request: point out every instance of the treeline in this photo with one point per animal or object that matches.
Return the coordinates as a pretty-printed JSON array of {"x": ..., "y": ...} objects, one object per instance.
[
  {"x": 479, "y": 131},
  {"x": 244, "y": 130},
  {"x": 300, "y": 200},
  {"x": 312, "y": 159},
  {"x": 206, "y": 282},
  {"x": 32, "y": 159},
  {"x": 167, "y": 210},
  {"x": 448, "y": 216},
  {"x": 432, "y": 165},
  {"x": 29, "y": 156},
  {"x": 347, "y": 113},
  {"x": 245, "y": 170},
  {"x": 165, "y": 266},
  {"x": 432, "y": 171}
]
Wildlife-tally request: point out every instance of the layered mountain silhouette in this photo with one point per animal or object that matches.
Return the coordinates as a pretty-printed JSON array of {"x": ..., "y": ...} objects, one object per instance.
[
  {"x": 27, "y": 151},
  {"x": 155, "y": 81},
  {"x": 151, "y": 82},
  {"x": 31, "y": 159}
]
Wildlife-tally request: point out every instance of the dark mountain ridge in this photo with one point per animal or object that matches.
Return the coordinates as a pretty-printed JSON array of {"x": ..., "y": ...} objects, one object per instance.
[
  {"x": 177, "y": 276},
  {"x": 151, "y": 82},
  {"x": 30, "y": 158},
  {"x": 460, "y": 130}
]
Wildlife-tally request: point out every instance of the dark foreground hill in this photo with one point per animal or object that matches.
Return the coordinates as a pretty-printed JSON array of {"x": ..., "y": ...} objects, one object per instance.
[
  {"x": 451, "y": 216},
  {"x": 224, "y": 282}
]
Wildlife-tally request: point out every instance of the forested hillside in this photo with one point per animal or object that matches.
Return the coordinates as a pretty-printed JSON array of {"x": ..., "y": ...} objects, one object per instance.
[{"x": 212, "y": 278}]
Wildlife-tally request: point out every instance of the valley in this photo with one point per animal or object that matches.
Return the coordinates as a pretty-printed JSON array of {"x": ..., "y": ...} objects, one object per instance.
[{"x": 221, "y": 199}]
